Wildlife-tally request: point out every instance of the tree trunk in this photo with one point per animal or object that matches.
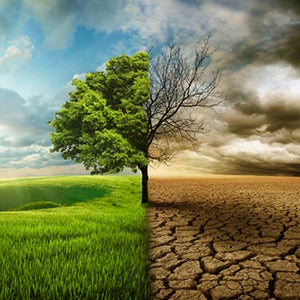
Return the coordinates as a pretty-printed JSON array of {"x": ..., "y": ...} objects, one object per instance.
[{"x": 144, "y": 171}]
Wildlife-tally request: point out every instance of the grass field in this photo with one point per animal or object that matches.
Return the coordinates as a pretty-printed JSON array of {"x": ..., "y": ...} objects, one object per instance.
[{"x": 92, "y": 246}]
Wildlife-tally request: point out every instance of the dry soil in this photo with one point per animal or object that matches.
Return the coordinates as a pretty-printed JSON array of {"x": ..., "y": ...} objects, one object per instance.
[{"x": 225, "y": 238}]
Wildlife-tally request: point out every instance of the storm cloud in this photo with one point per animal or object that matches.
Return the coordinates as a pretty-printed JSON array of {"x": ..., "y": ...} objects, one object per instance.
[{"x": 275, "y": 33}]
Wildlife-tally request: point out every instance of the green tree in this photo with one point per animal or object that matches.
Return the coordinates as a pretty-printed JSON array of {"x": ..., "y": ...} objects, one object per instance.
[
  {"x": 103, "y": 124},
  {"x": 135, "y": 111}
]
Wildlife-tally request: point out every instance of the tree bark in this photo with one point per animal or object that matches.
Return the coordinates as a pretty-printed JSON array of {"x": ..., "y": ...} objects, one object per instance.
[{"x": 145, "y": 196}]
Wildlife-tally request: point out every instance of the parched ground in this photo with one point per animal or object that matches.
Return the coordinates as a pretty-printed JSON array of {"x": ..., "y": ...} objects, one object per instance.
[{"x": 225, "y": 238}]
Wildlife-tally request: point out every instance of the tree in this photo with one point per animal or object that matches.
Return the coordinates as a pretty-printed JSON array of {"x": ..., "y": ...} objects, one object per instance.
[{"x": 134, "y": 112}]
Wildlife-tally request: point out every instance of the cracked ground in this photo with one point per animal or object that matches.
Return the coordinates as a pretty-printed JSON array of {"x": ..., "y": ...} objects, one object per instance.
[{"x": 225, "y": 238}]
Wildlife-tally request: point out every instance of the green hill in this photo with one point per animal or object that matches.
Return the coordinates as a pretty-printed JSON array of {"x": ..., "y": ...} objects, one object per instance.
[
  {"x": 66, "y": 190},
  {"x": 93, "y": 245}
]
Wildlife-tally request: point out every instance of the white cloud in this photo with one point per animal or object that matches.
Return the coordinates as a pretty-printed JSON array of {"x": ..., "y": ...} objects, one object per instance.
[
  {"x": 81, "y": 76},
  {"x": 24, "y": 121},
  {"x": 19, "y": 51},
  {"x": 152, "y": 19},
  {"x": 256, "y": 150},
  {"x": 57, "y": 18},
  {"x": 45, "y": 171},
  {"x": 281, "y": 79},
  {"x": 24, "y": 137}
]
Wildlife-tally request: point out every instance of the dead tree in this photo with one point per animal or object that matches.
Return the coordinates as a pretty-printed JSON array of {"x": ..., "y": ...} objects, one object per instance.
[{"x": 179, "y": 86}]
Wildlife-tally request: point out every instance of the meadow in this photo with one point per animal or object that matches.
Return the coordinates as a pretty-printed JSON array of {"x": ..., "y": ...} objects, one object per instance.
[{"x": 78, "y": 237}]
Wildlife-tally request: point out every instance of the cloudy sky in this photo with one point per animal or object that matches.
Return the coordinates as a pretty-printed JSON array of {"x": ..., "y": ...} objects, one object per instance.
[{"x": 44, "y": 44}]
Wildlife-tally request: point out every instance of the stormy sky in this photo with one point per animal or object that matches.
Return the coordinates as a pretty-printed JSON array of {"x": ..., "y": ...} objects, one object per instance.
[{"x": 44, "y": 44}]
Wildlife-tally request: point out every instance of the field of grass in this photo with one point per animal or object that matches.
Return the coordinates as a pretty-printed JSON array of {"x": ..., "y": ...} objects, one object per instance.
[{"x": 93, "y": 246}]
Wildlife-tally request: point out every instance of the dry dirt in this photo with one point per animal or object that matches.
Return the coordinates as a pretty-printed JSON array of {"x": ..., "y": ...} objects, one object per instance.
[{"x": 225, "y": 238}]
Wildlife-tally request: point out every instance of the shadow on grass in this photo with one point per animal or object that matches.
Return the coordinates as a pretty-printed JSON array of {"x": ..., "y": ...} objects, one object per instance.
[{"x": 47, "y": 196}]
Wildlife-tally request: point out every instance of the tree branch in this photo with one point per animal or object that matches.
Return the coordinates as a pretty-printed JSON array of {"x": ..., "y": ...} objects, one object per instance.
[{"x": 178, "y": 86}]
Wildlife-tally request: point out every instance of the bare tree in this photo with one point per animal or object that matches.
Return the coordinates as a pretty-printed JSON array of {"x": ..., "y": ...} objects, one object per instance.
[{"x": 179, "y": 86}]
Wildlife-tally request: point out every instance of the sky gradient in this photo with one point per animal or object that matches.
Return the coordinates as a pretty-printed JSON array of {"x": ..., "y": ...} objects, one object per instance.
[{"x": 44, "y": 44}]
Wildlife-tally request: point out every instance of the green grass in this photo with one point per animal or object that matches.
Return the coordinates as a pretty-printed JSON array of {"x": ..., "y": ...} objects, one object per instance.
[
  {"x": 94, "y": 248},
  {"x": 61, "y": 190}
]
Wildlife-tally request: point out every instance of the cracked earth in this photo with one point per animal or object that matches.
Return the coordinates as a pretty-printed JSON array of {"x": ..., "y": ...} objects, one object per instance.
[{"x": 229, "y": 238}]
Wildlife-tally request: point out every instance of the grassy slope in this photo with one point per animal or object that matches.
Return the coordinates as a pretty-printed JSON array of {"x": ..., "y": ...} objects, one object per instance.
[
  {"x": 90, "y": 250},
  {"x": 61, "y": 190}
]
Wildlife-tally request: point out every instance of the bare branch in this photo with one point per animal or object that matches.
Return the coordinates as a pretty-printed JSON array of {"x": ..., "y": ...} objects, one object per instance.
[{"x": 178, "y": 86}]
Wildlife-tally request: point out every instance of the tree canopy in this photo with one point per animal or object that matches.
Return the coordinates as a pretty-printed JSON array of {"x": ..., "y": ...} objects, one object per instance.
[{"x": 103, "y": 124}]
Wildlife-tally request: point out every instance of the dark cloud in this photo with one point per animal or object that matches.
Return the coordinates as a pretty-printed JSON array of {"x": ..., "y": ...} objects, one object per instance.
[
  {"x": 263, "y": 111},
  {"x": 280, "y": 116},
  {"x": 232, "y": 4},
  {"x": 254, "y": 156},
  {"x": 252, "y": 115},
  {"x": 242, "y": 156},
  {"x": 289, "y": 47},
  {"x": 288, "y": 5},
  {"x": 239, "y": 166},
  {"x": 276, "y": 32}
]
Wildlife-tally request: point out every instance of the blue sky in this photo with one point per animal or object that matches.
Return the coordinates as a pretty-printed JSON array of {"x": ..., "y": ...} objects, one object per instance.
[{"x": 44, "y": 44}]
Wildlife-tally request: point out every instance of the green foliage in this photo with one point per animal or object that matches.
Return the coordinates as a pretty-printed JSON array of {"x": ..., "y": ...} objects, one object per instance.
[
  {"x": 90, "y": 250},
  {"x": 103, "y": 125}
]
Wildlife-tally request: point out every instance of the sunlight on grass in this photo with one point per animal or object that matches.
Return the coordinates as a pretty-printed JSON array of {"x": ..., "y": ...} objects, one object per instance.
[
  {"x": 90, "y": 250},
  {"x": 62, "y": 190}
]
